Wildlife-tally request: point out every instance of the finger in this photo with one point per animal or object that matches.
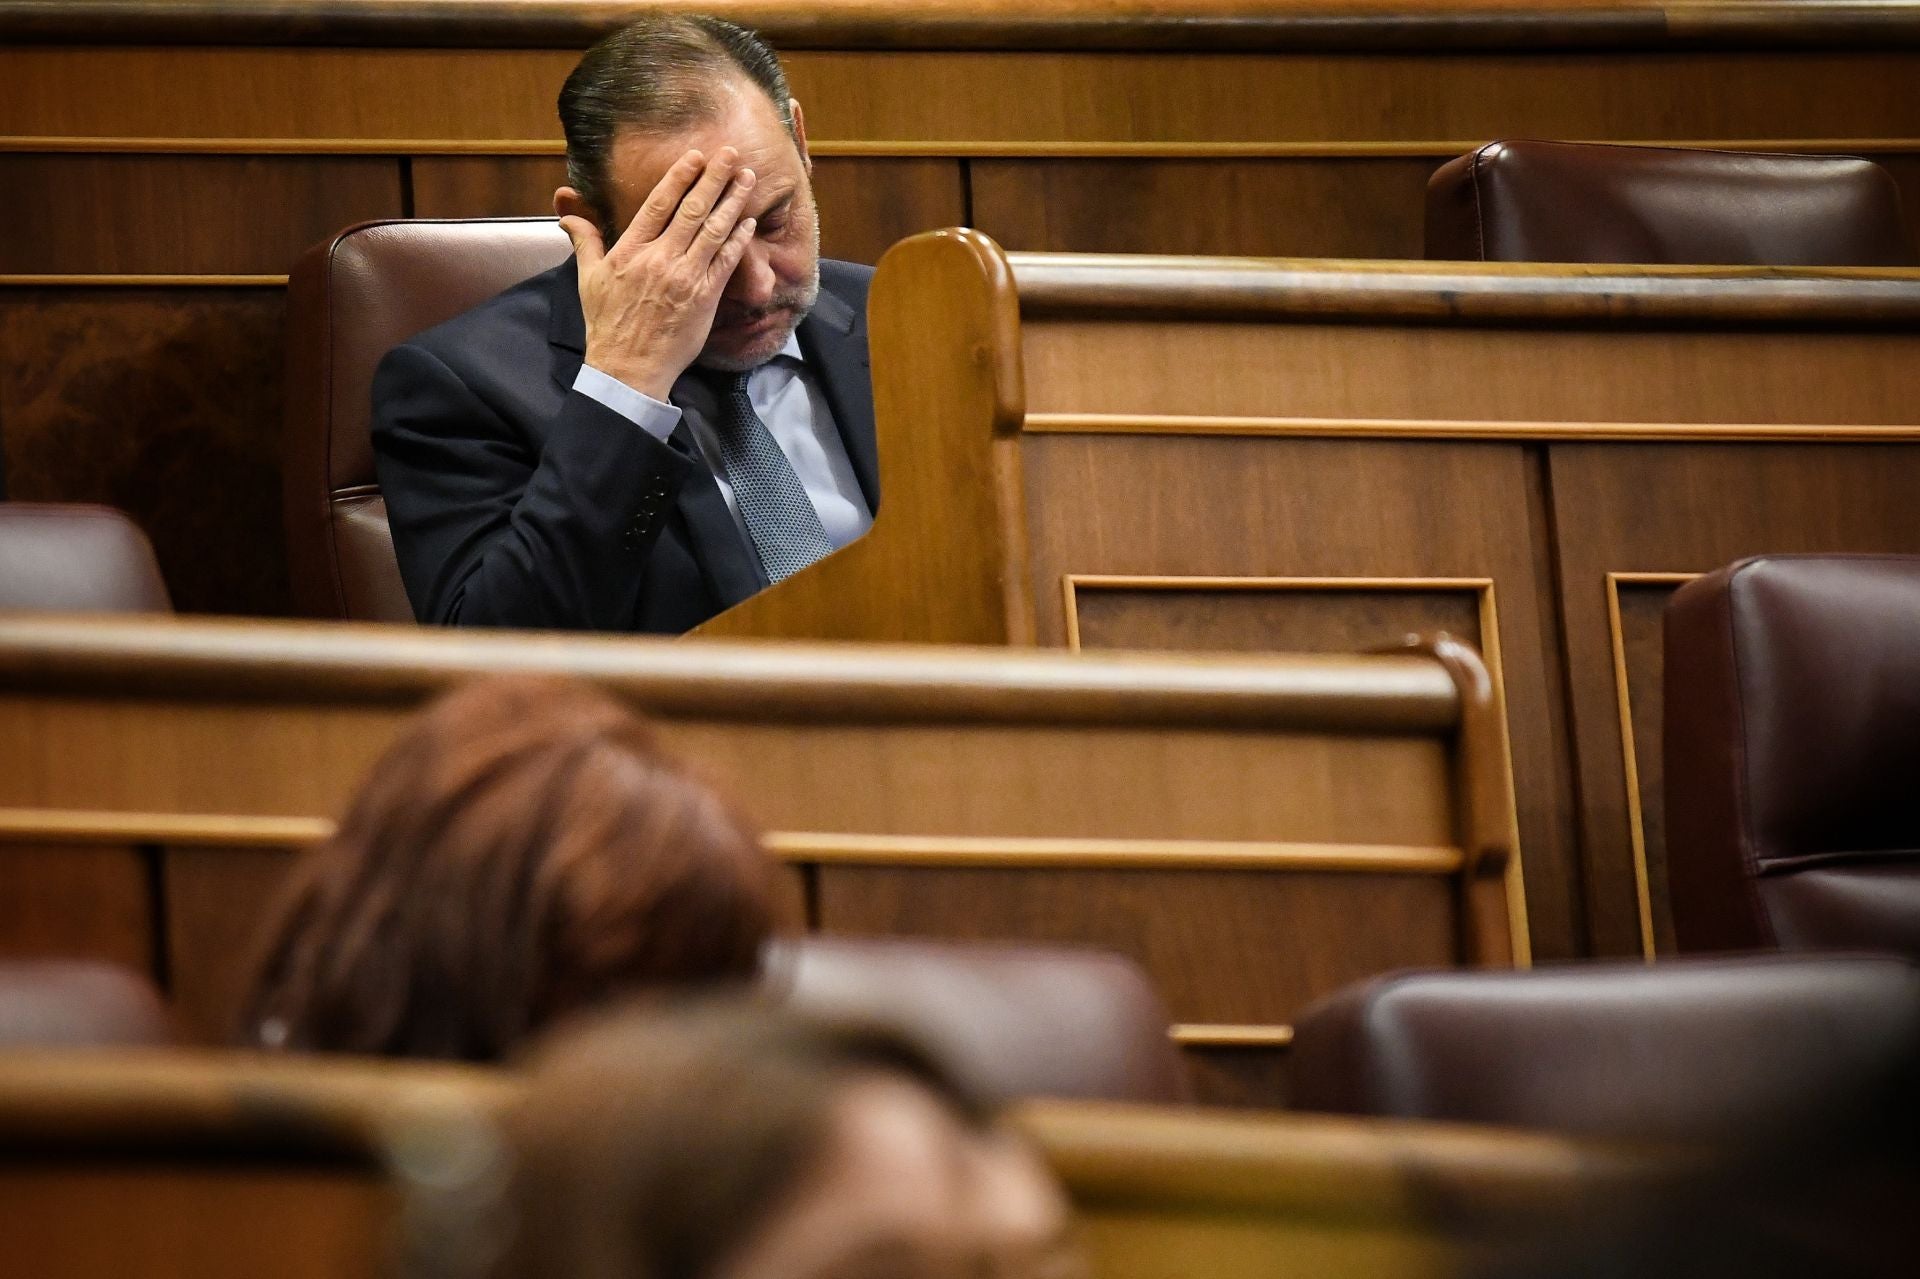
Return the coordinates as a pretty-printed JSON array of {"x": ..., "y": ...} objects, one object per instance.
[
  {"x": 587, "y": 244},
  {"x": 657, "y": 210},
  {"x": 725, "y": 216},
  {"x": 699, "y": 202},
  {"x": 721, "y": 269}
]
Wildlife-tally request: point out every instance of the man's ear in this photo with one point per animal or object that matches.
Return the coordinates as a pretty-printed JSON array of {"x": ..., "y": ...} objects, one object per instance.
[
  {"x": 569, "y": 203},
  {"x": 800, "y": 133}
]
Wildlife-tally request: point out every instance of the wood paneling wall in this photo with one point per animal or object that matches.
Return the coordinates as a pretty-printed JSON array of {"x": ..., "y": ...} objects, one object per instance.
[{"x": 162, "y": 164}]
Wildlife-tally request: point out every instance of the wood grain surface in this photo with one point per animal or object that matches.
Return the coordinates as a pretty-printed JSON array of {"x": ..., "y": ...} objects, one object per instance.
[{"x": 1223, "y": 820}]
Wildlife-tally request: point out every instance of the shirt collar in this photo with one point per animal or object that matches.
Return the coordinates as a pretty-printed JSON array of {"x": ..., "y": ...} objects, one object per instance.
[{"x": 792, "y": 349}]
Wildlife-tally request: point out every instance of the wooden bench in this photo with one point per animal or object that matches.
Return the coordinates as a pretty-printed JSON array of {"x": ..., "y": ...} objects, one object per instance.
[
  {"x": 210, "y": 1165},
  {"x": 1256, "y": 832},
  {"x": 1238, "y": 454}
]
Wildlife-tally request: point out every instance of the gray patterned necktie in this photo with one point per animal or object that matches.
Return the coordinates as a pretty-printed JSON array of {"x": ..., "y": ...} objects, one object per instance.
[{"x": 780, "y": 518}]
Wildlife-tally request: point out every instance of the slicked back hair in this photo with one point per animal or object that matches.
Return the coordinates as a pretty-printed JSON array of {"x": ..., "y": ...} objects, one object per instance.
[{"x": 658, "y": 74}]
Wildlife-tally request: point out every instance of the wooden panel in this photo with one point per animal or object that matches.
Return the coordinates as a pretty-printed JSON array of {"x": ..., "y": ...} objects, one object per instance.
[
  {"x": 218, "y": 900},
  {"x": 168, "y": 214},
  {"x": 190, "y": 1221},
  {"x": 944, "y": 99},
  {"x": 1306, "y": 207},
  {"x": 166, "y": 405},
  {"x": 1301, "y": 618},
  {"x": 1200, "y": 506},
  {"x": 1285, "y": 939},
  {"x": 867, "y": 205},
  {"x": 1237, "y": 1076},
  {"x": 1449, "y": 373},
  {"x": 91, "y": 903},
  {"x": 1686, "y": 508},
  {"x": 1905, "y": 169},
  {"x": 485, "y": 186}
]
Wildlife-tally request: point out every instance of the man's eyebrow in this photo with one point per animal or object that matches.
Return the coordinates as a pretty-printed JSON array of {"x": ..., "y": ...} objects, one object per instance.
[{"x": 778, "y": 206}]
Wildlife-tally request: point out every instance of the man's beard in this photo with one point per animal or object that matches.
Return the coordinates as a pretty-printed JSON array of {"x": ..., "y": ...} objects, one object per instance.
[{"x": 795, "y": 302}]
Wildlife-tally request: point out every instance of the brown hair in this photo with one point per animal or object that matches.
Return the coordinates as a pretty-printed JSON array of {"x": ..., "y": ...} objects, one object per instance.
[
  {"x": 649, "y": 1144},
  {"x": 523, "y": 848}
]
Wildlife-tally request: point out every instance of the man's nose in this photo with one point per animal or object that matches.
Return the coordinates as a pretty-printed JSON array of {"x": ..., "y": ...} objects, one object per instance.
[{"x": 752, "y": 282}]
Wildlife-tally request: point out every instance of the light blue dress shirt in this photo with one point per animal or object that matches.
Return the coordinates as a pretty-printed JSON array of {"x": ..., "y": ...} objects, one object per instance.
[{"x": 787, "y": 398}]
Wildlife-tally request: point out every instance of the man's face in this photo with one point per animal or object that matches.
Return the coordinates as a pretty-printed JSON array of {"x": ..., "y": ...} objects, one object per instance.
[
  {"x": 775, "y": 284},
  {"x": 904, "y": 1191}
]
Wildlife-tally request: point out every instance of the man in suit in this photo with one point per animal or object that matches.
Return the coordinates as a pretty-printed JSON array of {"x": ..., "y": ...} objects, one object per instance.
[{"x": 678, "y": 415}]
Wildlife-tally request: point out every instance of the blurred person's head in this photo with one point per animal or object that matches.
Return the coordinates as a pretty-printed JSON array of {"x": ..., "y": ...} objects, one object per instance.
[
  {"x": 749, "y": 1142},
  {"x": 523, "y": 849},
  {"x": 663, "y": 84}
]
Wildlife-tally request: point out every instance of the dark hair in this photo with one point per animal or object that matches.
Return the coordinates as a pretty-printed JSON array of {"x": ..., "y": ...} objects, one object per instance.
[
  {"x": 524, "y": 848},
  {"x": 659, "y": 74},
  {"x": 649, "y": 1145}
]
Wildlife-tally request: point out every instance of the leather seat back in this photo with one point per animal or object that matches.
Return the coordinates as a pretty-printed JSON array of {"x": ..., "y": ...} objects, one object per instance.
[
  {"x": 61, "y": 558},
  {"x": 1684, "y": 1049},
  {"x": 1015, "y": 1021},
  {"x": 60, "y": 1003},
  {"x": 350, "y": 300},
  {"x": 1577, "y": 202},
  {"x": 1792, "y": 754}
]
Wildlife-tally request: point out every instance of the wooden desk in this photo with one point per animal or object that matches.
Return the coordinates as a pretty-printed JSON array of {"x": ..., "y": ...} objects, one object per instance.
[
  {"x": 225, "y": 1165},
  {"x": 1255, "y": 832},
  {"x": 164, "y": 161},
  {"x": 1188, "y": 453}
]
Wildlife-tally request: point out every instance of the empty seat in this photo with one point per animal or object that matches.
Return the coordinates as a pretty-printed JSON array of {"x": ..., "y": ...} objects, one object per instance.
[
  {"x": 350, "y": 300},
  {"x": 1015, "y": 1021},
  {"x": 1685, "y": 1049},
  {"x": 60, "y": 1003},
  {"x": 61, "y": 558},
  {"x": 1792, "y": 754},
  {"x": 1578, "y": 202}
]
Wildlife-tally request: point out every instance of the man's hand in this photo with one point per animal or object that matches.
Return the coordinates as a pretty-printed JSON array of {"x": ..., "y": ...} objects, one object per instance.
[{"x": 649, "y": 300}]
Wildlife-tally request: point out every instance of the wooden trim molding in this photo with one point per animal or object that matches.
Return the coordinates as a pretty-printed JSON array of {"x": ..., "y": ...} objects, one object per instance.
[
  {"x": 1071, "y": 584},
  {"x": 1024, "y": 852},
  {"x": 1461, "y": 429},
  {"x": 199, "y": 830},
  {"x": 233, "y": 660},
  {"x": 918, "y": 148},
  {"x": 800, "y": 848},
  {"x": 1230, "y": 1035},
  {"x": 112, "y": 281},
  {"x": 1623, "y": 697},
  {"x": 1124, "y": 287},
  {"x": 1194, "y": 25}
]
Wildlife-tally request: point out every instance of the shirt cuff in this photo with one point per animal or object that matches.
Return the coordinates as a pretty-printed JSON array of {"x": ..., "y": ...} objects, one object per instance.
[{"x": 645, "y": 412}]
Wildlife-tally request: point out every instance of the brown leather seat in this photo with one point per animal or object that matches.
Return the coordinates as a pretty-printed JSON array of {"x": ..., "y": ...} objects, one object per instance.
[
  {"x": 350, "y": 300},
  {"x": 1793, "y": 754},
  {"x": 1683, "y": 1049},
  {"x": 1576, "y": 202},
  {"x": 61, "y": 558},
  {"x": 1016, "y": 1021},
  {"x": 61, "y": 1003}
]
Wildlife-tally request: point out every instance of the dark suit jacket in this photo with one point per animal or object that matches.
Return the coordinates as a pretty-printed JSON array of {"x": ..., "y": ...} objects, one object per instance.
[{"x": 517, "y": 501}]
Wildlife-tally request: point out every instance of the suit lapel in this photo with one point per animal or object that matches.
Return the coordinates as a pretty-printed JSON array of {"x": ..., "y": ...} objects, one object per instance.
[
  {"x": 833, "y": 338},
  {"x": 566, "y": 326},
  {"x": 731, "y": 569}
]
